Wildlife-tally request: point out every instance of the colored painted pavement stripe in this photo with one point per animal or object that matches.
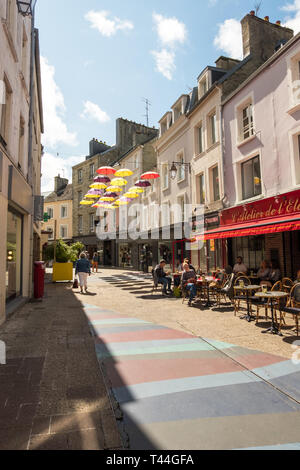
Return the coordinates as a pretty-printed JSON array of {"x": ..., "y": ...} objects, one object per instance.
[
  {"x": 119, "y": 321},
  {"x": 166, "y": 387},
  {"x": 142, "y": 335}
]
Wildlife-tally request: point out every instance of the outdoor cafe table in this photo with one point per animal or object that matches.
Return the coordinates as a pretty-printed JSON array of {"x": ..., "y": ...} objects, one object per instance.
[
  {"x": 208, "y": 279},
  {"x": 272, "y": 296},
  {"x": 247, "y": 289}
]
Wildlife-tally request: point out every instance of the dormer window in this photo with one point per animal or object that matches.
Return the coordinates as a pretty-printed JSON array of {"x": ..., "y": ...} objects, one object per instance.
[
  {"x": 163, "y": 127},
  {"x": 203, "y": 85},
  {"x": 177, "y": 112}
]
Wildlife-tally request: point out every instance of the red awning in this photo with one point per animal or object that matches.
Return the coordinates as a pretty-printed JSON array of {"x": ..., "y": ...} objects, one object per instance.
[{"x": 276, "y": 225}]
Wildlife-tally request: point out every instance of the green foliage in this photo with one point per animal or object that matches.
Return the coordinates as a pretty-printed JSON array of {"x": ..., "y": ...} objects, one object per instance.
[{"x": 64, "y": 252}]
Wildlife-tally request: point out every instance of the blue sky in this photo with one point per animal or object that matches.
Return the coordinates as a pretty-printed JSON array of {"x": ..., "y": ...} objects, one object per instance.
[{"x": 100, "y": 58}]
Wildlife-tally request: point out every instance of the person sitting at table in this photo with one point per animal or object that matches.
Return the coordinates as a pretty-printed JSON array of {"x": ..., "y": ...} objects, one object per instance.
[
  {"x": 265, "y": 271},
  {"x": 240, "y": 267},
  {"x": 188, "y": 282},
  {"x": 298, "y": 277},
  {"x": 162, "y": 277},
  {"x": 275, "y": 273},
  {"x": 187, "y": 261}
]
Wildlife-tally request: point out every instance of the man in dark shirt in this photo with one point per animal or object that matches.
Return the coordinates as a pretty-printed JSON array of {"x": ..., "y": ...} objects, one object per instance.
[
  {"x": 162, "y": 277},
  {"x": 188, "y": 280}
]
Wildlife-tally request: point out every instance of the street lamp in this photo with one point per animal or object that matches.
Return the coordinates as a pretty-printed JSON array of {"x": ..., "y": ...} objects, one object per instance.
[
  {"x": 173, "y": 171},
  {"x": 25, "y": 7}
]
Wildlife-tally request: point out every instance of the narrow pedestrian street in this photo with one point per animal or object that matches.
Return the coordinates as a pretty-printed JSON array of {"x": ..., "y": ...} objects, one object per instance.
[{"x": 164, "y": 379}]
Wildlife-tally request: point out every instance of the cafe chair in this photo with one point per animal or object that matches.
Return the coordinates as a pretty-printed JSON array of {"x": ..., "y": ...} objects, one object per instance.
[
  {"x": 218, "y": 289},
  {"x": 156, "y": 284},
  {"x": 227, "y": 291},
  {"x": 292, "y": 307},
  {"x": 265, "y": 303},
  {"x": 287, "y": 284},
  {"x": 240, "y": 298}
]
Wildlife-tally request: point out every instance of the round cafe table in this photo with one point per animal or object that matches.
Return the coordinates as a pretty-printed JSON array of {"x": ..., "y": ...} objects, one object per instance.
[
  {"x": 272, "y": 296},
  {"x": 248, "y": 290}
]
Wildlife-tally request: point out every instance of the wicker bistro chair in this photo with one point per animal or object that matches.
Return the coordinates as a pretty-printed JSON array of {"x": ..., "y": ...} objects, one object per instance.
[
  {"x": 292, "y": 307},
  {"x": 265, "y": 303},
  {"x": 287, "y": 284},
  {"x": 227, "y": 291},
  {"x": 156, "y": 284},
  {"x": 218, "y": 288},
  {"x": 237, "y": 299}
]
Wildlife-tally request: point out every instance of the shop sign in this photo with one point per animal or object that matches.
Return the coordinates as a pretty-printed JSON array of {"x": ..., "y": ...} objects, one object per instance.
[{"x": 282, "y": 205}]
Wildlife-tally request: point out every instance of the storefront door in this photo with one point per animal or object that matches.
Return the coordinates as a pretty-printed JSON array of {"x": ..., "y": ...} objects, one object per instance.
[{"x": 14, "y": 255}]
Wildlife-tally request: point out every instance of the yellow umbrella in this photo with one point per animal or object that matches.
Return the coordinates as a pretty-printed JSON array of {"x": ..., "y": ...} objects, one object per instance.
[
  {"x": 114, "y": 189},
  {"x": 122, "y": 203},
  {"x": 98, "y": 186},
  {"x": 86, "y": 203},
  {"x": 106, "y": 199},
  {"x": 119, "y": 182},
  {"x": 131, "y": 195},
  {"x": 92, "y": 196},
  {"x": 135, "y": 189},
  {"x": 123, "y": 172}
]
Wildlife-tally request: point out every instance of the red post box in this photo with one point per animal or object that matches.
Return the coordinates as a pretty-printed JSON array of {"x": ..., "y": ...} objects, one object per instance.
[{"x": 39, "y": 279}]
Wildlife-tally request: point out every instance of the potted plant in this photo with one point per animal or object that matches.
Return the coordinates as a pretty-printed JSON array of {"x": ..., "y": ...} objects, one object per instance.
[{"x": 64, "y": 256}]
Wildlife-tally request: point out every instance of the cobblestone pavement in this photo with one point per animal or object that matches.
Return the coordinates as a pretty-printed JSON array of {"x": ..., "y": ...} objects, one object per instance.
[{"x": 52, "y": 393}]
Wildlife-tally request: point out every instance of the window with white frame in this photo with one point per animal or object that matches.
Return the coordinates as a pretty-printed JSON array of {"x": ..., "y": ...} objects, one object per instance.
[
  {"x": 63, "y": 231},
  {"x": 247, "y": 128},
  {"x": 181, "y": 168},
  {"x": 212, "y": 128},
  {"x": 165, "y": 176},
  {"x": 50, "y": 212},
  {"x": 201, "y": 189},
  {"x": 199, "y": 139},
  {"x": 80, "y": 224},
  {"x": 92, "y": 222},
  {"x": 80, "y": 174},
  {"x": 51, "y": 235},
  {"x": 203, "y": 86},
  {"x": 251, "y": 178},
  {"x": 63, "y": 212},
  {"x": 92, "y": 171},
  {"x": 215, "y": 183},
  {"x": 6, "y": 107}
]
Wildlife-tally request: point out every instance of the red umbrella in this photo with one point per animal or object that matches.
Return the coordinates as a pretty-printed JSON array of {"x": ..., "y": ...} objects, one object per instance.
[
  {"x": 106, "y": 170},
  {"x": 150, "y": 175}
]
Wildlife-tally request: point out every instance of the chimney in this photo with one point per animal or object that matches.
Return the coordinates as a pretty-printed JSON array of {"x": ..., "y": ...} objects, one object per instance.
[
  {"x": 260, "y": 37},
  {"x": 60, "y": 184}
]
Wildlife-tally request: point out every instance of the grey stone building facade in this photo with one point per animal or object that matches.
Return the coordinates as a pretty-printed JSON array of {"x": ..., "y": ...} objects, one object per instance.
[{"x": 129, "y": 135}]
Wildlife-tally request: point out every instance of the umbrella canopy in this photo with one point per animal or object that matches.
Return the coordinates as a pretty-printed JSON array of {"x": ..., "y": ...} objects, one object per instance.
[
  {"x": 86, "y": 203},
  {"x": 150, "y": 175},
  {"x": 123, "y": 172},
  {"x": 107, "y": 199},
  {"x": 142, "y": 184},
  {"x": 135, "y": 189},
  {"x": 98, "y": 186},
  {"x": 93, "y": 194},
  {"x": 119, "y": 182},
  {"x": 114, "y": 189},
  {"x": 122, "y": 203},
  {"x": 102, "y": 179},
  {"x": 111, "y": 194},
  {"x": 106, "y": 170},
  {"x": 131, "y": 195}
]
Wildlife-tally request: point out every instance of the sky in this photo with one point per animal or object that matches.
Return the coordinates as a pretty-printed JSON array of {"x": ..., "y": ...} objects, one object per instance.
[{"x": 101, "y": 58}]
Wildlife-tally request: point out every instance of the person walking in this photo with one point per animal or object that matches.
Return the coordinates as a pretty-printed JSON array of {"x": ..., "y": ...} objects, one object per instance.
[
  {"x": 95, "y": 262},
  {"x": 83, "y": 269}
]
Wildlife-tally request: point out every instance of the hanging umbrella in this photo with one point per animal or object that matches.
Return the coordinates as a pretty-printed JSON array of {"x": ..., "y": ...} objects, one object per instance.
[
  {"x": 106, "y": 170},
  {"x": 86, "y": 203},
  {"x": 93, "y": 194},
  {"x": 142, "y": 184},
  {"x": 135, "y": 189},
  {"x": 98, "y": 186},
  {"x": 111, "y": 194},
  {"x": 119, "y": 182},
  {"x": 123, "y": 172},
  {"x": 107, "y": 199},
  {"x": 114, "y": 189},
  {"x": 102, "y": 179},
  {"x": 122, "y": 203},
  {"x": 150, "y": 175},
  {"x": 131, "y": 195}
]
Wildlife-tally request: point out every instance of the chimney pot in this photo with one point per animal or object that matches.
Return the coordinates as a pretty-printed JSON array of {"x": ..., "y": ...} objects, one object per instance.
[
  {"x": 252, "y": 13},
  {"x": 278, "y": 22},
  {"x": 267, "y": 18}
]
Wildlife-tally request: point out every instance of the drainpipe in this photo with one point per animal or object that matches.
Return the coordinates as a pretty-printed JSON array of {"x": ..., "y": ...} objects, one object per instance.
[{"x": 30, "y": 147}]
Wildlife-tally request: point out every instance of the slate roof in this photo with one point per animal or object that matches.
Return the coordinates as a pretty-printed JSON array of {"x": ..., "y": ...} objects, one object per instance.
[{"x": 64, "y": 195}]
